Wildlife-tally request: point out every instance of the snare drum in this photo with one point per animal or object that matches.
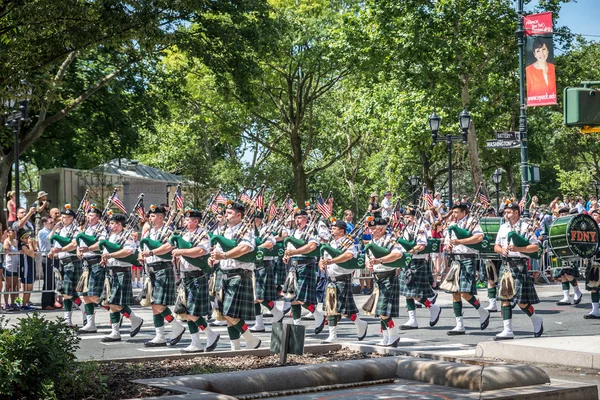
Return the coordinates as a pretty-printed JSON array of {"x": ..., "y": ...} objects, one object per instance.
[
  {"x": 574, "y": 236},
  {"x": 490, "y": 227}
]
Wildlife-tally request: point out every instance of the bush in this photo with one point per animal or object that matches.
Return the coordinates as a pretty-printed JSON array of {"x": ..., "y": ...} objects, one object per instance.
[{"x": 37, "y": 360}]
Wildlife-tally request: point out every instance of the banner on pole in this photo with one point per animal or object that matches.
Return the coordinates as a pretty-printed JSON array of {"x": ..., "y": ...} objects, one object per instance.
[{"x": 540, "y": 74}]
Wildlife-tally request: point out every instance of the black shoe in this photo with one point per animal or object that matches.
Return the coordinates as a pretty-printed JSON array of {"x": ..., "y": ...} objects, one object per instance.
[
  {"x": 395, "y": 344},
  {"x": 575, "y": 302},
  {"x": 152, "y": 344},
  {"x": 591, "y": 316},
  {"x": 498, "y": 338},
  {"x": 319, "y": 328},
  {"x": 434, "y": 323},
  {"x": 257, "y": 330},
  {"x": 538, "y": 334},
  {"x": 407, "y": 327},
  {"x": 108, "y": 339},
  {"x": 563, "y": 303},
  {"x": 455, "y": 333},
  {"x": 214, "y": 345},
  {"x": 176, "y": 340},
  {"x": 486, "y": 322},
  {"x": 258, "y": 344},
  {"x": 82, "y": 332},
  {"x": 136, "y": 330}
]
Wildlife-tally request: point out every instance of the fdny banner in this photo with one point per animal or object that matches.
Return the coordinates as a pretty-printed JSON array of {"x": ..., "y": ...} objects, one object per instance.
[{"x": 540, "y": 75}]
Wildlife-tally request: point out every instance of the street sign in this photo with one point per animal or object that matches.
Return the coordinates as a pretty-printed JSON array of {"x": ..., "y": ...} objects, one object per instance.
[
  {"x": 502, "y": 144},
  {"x": 508, "y": 135}
]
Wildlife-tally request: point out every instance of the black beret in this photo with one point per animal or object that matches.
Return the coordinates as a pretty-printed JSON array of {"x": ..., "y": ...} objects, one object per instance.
[
  {"x": 220, "y": 211},
  {"x": 413, "y": 212},
  {"x": 154, "y": 209},
  {"x": 301, "y": 213},
  {"x": 461, "y": 206},
  {"x": 239, "y": 207},
  {"x": 513, "y": 206},
  {"x": 94, "y": 209},
  {"x": 22, "y": 233},
  {"x": 378, "y": 222},
  {"x": 564, "y": 210},
  {"x": 574, "y": 211},
  {"x": 68, "y": 211},
  {"x": 259, "y": 214},
  {"x": 595, "y": 211},
  {"x": 193, "y": 214},
  {"x": 340, "y": 224},
  {"x": 122, "y": 218}
]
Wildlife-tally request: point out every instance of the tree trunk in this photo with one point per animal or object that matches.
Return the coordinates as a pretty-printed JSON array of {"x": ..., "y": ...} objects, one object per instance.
[
  {"x": 5, "y": 169},
  {"x": 427, "y": 179},
  {"x": 476, "y": 171}
]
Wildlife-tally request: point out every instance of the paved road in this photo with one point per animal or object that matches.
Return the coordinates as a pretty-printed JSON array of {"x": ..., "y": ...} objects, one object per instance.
[{"x": 558, "y": 321}]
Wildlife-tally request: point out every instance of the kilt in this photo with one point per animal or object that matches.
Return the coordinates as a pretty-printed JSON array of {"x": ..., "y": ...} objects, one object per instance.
[
  {"x": 345, "y": 299},
  {"x": 96, "y": 280},
  {"x": 420, "y": 286},
  {"x": 196, "y": 293},
  {"x": 280, "y": 272},
  {"x": 573, "y": 270},
  {"x": 121, "y": 292},
  {"x": 72, "y": 273},
  {"x": 265, "y": 282},
  {"x": 218, "y": 277},
  {"x": 164, "y": 292},
  {"x": 468, "y": 275},
  {"x": 307, "y": 284},
  {"x": 238, "y": 297},
  {"x": 388, "y": 303},
  {"x": 587, "y": 277},
  {"x": 524, "y": 289}
]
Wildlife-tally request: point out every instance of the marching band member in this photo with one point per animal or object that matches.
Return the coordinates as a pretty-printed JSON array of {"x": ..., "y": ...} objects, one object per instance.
[
  {"x": 307, "y": 273},
  {"x": 119, "y": 272},
  {"x": 513, "y": 258},
  {"x": 164, "y": 293},
  {"x": 415, "y": 279},
  {"x": 238, "y": 296},
  {"x": 218, "y": 229},
  {"x": 568, "y": 273},
  {"x": 341, "y": 279},
  {"x": 465, "y": 256},
  {"x": 195, "y": 282}
]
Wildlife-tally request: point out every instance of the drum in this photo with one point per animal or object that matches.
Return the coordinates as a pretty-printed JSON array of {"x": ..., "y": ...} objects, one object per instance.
[
  {"x": 574, "y": 236},
  {"x": 490, "y": 227}
]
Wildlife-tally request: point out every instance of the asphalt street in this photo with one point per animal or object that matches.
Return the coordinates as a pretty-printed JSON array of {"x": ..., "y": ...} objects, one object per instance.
[{"x": 558, "y": 321}]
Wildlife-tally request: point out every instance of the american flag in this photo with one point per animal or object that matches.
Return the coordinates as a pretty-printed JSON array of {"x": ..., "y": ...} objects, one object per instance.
[
  {"x": 484, "y": 199},
  {"x": 119, "y": 203},
  {"x": 272, "y": 209},
  {"x": 245, "y": 198},
  {"x": 289, "y": 204},
  {"x": 214, "y": 207},
  {"x": 220, "y": 199},
  {"x": 428, "y": 198},
  {"x": 179, "y": 198},
  {"x": 524, "y": 199},
  {"x": 87, "y": 206},
  {"x": 323, "y": 207},
  {"x": 259, "y": 199},
  {"x": 140, "y": 210}
]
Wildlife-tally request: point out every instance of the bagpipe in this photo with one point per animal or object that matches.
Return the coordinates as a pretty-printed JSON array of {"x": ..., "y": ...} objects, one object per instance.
[
  {"x": 521, "y": 238},
  {"x": 274, "y": 227},
  {"x": 77, "y": 221},
  {"x": 465, "y": 230},
  {"x": 310, "y": 229},
  {"x": 246, "y": 225},
  {"x": 433, "y": 245},
  {"x": 90, "y": 240},
  {"x": 130, "y": 226},
  {"x": 382, "y": 251},
  {"x": 348, "y": 240}
]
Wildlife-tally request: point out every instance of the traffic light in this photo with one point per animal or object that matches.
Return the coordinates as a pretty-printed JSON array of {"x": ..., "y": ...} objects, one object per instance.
[{"x": 581, "y": 107}]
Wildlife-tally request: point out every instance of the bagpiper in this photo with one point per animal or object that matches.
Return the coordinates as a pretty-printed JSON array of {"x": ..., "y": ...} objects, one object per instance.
[
  {"x": 415, "y": 279},
  {"x": 265, "y": 293},
  {"x": 195, "y": 281},
  {"x": 118, "y": 272},
  {"x": 217, "y": 275},
  {"x": 238, "y": 296},
  {"x": 340, "y": 280},
  {"x": 465, "y": 256},
  {"x": 514, "y": 262},
  {"x": 164, "y": 293},
  {"x": 568, "y": 273}
]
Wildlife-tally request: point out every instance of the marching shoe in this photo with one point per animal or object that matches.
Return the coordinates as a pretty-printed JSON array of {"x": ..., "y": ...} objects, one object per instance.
[
  {"x": 538, "y": 325},
  {"x": 484, "y": 317},
  {"x": 212, "y": 339},
  {"x": 384, "y": 341},
  {"x": 412, "y": 321},
  {"x": 434, "y": 315},
  {"x": 578, "y": 296},
  {"x": 565, "y": 301},
  {"x": 278, "y": 315},
  {"x": 259, "y": 325},
  {"x": 592, "y": 315},
  {"x": 459, "y": 329},
  {"x": 235, "y": 344},
  {"x": 114, "y": 336},
  {"x": 252, "y": 342},
  {"x": 195, "y": 346},
  {"x": 492, "y": 307},
  {"x": 159, "y": 340},
  {"x": 177, "y": 331},
  {"x": 319, "y": 321},
  {"x": 332, "y": 334},
  {"x": 434, "y": 298},
  {"x": 393, "y": 340},
  {"x": 507, "y": 333},
  {"x": 361, "y": 327},
  {"x": 136, "y": 325},
  {"x": 90, "y": 326}
]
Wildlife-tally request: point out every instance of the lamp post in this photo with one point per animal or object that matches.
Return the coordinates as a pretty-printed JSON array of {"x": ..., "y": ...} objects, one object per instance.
[
  {"x": 497, "y": 178},
  {"x": 464, "y": 121},
  {"x": 415, "y": 181},
  {"x": 168, "y": 193},
  {"x": 597, "y": 187},
  {"x": 14, "y": 119},
  {"x": 313, "y": 196}
]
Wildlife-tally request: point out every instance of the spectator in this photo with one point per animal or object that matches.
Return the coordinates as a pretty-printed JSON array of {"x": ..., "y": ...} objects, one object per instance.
[
  {"x": 11, "y": 251},
  {"x": 48, "y": 297},
  {"x": 465, "y": 200},
  {"x": 42, "y": 206},
  {"x": 387, "y": 208},
  {"x": 23, "y": 217},
  {"x": 348, "y": 220},
  {"x": 437, "y": 200},
  {"x": 580, "y": 205},
  {"x": 534, "y": 204},
  {"x": 27, "y": 249},
  {"x": 55, "y": 214},
  {"x": 374, "y": 207},
  {"x": 11, "y": 207}
]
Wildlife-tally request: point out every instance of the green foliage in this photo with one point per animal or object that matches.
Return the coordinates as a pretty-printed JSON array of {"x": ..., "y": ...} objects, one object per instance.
[
  {"x": 574, "y": 182},
  {"x": 38, "y": 361}
]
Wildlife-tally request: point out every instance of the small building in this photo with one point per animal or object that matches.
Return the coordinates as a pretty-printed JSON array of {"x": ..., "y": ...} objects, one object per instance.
[{"x": 130, "y": 177}]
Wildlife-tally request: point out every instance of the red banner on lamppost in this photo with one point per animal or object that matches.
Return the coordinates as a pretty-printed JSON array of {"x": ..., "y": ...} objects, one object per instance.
[{"x": 540, "y": 74}]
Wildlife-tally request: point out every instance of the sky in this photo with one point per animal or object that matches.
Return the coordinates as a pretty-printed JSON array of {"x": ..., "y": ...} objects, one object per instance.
[{"x": 581, "y": 17}]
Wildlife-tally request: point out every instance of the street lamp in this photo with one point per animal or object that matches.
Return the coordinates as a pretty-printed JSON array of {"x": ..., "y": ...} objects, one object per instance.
[
  {"x": 415, "y": 181},
  {"x": 464, "y": 121},
  {"x": 597, "y": 186},
  {"x": 14, "y": 119},
  {"x": 313, "y": 196},
  {"x": 497, "y": 178},
  {"x": 168, "y": 193}
]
